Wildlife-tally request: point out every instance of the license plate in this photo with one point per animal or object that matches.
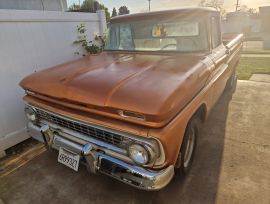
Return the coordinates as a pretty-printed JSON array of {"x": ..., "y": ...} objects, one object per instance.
[{"x": 69, "y": 159}]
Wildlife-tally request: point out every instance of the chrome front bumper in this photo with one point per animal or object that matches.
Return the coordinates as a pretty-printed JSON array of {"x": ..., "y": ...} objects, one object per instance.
[{"x": 98, "y": 161}]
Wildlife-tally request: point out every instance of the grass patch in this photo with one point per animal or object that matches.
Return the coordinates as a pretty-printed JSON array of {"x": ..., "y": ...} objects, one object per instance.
[
  {"x": 252, "y": 65},
  {"x": 258, "y": 52}
]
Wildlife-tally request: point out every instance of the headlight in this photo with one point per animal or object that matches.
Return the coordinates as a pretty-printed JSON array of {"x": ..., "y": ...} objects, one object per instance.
[
  {"x": 30, "y": 114},
  {"x": 139, "y": 154}
]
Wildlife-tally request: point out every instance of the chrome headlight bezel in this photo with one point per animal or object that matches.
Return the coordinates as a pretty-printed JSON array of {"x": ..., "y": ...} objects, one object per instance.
[{"x": 147, "y": 153}]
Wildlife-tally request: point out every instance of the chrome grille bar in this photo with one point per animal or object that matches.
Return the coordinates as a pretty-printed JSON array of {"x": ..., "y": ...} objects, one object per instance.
[{"x": 103, "y": 135}]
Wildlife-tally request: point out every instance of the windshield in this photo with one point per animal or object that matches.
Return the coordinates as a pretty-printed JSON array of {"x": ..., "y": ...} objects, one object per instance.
[{"x": 178, "y": 35}]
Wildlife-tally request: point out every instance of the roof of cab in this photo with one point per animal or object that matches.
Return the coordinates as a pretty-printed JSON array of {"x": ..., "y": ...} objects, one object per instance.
[{"x": 165, "y": 12}]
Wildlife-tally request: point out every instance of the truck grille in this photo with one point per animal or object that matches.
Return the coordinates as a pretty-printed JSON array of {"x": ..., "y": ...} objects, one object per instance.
[{"x": 103, "y": 135}]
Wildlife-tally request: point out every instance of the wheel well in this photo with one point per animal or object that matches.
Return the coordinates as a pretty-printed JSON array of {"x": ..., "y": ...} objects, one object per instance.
[{"x": 201, "y": 113}]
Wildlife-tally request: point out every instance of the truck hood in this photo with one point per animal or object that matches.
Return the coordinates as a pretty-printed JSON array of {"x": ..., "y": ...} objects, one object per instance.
[{"x": 155, "y": 86}]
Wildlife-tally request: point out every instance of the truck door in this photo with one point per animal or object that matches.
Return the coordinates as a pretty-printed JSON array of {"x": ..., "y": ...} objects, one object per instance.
[{"x": 219, "y": 57}]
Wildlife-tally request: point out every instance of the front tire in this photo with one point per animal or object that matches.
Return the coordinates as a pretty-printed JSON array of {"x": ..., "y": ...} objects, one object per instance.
[{"x": 188, "y": 147}]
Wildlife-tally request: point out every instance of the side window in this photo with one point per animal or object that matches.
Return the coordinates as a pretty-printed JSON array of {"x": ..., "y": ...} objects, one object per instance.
[
  {"x": 120, "y": 37},
  {"x": 126, "y": 39},
  {"x": 112, "y": 42},
  {"x": 216, "y": 36}
]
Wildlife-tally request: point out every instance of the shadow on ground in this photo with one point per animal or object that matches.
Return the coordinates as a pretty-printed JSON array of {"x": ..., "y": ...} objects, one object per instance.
[{"x": 43, "y": 180}]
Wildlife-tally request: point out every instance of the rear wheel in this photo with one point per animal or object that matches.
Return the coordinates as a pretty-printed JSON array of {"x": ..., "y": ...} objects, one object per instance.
[{"x": 188, "y": 147}]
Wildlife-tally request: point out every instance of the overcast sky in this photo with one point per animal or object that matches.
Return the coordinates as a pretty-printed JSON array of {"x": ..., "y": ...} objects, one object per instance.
[{"x": 142, "y": 5}]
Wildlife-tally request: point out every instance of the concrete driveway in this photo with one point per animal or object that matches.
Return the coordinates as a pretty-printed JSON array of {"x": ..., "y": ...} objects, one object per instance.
[{"x": 232, "y": 164}]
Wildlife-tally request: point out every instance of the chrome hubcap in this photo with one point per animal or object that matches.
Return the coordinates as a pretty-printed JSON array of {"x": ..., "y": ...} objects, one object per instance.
[{"x": 190, "y": 147}]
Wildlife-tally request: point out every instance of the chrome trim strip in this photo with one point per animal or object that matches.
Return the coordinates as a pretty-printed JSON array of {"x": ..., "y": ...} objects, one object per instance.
[
  {"x": 235, "y": 53},
  {"x": 235, "y": 41}
]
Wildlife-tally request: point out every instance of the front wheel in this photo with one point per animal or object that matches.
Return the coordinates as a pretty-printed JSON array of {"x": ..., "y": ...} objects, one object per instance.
[{"x": 188, "y": 147}]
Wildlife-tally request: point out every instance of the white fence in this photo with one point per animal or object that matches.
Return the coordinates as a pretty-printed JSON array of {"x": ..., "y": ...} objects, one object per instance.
[
  {"x": 31, "y": 41},
  {"x": 42, "y": 5}
]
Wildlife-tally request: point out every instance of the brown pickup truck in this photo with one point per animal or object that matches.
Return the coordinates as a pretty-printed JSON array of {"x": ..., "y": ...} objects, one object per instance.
[{"x": 133, "y": 112}]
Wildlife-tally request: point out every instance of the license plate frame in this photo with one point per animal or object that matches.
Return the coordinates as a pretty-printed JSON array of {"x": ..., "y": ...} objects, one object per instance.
[{"x": 69, "y": 159}]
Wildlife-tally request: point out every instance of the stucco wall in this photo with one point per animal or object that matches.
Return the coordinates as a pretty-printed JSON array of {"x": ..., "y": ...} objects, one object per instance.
[
  {"x": 31, "y": 41},
  {"x": 47, "y": 5}
]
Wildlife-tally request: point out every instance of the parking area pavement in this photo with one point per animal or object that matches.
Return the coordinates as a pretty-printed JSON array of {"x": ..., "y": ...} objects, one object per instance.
[{"x": 231, "y": 165}]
